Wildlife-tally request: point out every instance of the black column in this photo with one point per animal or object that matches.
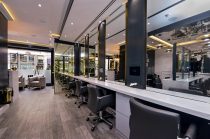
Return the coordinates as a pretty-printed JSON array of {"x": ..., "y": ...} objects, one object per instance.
[
  {"x": 52, "y": 67},
  {"x": 122, "y": 63},
  {"x": 102, "y": 50},
  {"x": 136, "y": 40},
  {"x": 87, "y": 56},
  {"x": 63, "y": 64},
  {"x": 4, "y": 79},
  {"x": 174, "y": 62},
  {"x": 77, "y": 50}
]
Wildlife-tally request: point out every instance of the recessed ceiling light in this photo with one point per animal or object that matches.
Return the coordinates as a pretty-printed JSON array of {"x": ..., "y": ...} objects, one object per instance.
[
  {"x": 39, "y": 5},
  {"x": 72, "y": 23}
]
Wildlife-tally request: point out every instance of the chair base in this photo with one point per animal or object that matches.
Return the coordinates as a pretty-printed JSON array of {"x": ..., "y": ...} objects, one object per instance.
[{"x": 96, "y": 119}]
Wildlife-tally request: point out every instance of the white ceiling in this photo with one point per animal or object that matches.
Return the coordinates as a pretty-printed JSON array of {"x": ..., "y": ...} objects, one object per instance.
[
  {"x": 175, "y": 14},
  {"x": 34, "y": 23}
]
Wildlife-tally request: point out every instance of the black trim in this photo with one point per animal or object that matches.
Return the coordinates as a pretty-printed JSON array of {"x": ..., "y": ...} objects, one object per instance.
[
  {"x": 166, "y": 8},
  {"x": 29, "y": 47},
  {"x": 66, "y": 15},
  {"x": 72, "y": 43},
  {"x": 100, "y": 14},
  {"x": 181, "y": 23}
]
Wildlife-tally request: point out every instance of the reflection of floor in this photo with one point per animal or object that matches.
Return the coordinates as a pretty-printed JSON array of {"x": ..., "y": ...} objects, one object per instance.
[{"x": 42, "y": 115}]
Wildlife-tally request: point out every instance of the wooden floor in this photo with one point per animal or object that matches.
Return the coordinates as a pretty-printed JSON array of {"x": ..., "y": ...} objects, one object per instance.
[{"x": 39, "y": 114}]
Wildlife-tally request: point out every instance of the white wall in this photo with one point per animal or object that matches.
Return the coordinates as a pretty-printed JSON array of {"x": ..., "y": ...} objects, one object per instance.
[{"x": 163, "y": 63}]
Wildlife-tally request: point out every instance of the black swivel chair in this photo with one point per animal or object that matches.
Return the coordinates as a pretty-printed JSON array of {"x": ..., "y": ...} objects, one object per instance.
[
  {"x": 98, "y": 101},
  {"x": 81, "y": 93},
  {"x": 151, "y": 123},
  {"x": 71, "y": 88}
]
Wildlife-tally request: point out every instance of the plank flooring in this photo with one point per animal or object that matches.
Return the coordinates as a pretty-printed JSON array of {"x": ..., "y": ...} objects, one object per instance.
[{"x": 41, "y": 114}]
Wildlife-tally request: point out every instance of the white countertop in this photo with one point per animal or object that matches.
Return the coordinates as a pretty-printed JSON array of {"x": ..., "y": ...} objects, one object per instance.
[
  {"x": 191, "y": 104},
  {"x": 191, "y": 79}
]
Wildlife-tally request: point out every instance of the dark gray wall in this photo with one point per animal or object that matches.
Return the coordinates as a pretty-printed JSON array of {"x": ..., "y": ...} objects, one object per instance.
[
  {"x": 122, "y": 63},
  {"x": 136, "y": 39},
  {"x": 87, "y": 56},
  {"x": 77, "y": 50},
  {"x": 151, "y": 63},
  {"x": 4, "y": 79},
  {"x": 101, "y": 50}
]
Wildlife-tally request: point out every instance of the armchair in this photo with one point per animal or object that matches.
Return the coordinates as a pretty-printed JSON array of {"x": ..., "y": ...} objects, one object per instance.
[
  {"x": 21, "y": 82},
  {"x": 38, "y": 81}
]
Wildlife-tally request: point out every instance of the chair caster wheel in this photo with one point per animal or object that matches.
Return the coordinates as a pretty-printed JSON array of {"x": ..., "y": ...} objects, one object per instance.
[
  {"x": 92, "y": 129},
  {"x": 87, "y": 119},
  {"x": 75, "y": 102},
  {"x": 111, "y": 127}
]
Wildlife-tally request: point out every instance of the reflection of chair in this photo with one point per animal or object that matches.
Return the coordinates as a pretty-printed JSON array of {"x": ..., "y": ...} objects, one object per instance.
[
  {"x": 81, "y": 93},
  {"x": 37, "y": 81},
  {"x": 21, "y": 82},
  {"x": 193, "y": 92},
  {"x": 98, "y": 101},
  {"x": 151, "y": 123}
]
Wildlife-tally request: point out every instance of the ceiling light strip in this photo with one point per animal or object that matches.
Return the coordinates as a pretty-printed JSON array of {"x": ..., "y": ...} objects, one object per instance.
[
  {"x": 6, "y": 12},
  {"x": 189, "y": 42},
  {"x": 161, "y": 41},
  {"x": 28, "y": 43}
]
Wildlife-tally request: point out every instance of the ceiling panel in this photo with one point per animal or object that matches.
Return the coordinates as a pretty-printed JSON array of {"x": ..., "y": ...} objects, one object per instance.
[
  {"x": 33, "y": 23},
  {"x": 81, "y": 14}
]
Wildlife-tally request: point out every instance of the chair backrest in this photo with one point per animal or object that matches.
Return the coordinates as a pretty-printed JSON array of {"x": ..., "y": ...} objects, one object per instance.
[
  {"x": 92, "y": 98},
  {"x": 151, "y": 123},
  {"x": 78, "y": 84}
]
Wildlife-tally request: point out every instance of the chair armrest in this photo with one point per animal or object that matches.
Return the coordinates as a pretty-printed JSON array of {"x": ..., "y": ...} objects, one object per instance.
[
  {"x": 42, "y": 81},
  {"x": 106, "y": 101},
  {"x": 191, "y": 132}
]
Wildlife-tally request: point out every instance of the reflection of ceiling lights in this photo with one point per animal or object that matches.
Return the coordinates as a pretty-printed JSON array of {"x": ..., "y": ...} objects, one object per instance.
[
  {"x": 72, "y": 23},
  {"x": 151, "y": 47},
  {"x": 161, "y": 41},
  {"x": 54, "y": 35},
  {"x": 189, "y": 42},
  {"x": 39, "y": 5},
  {"x": 121, "y": 43},
  {"x": 148, "y": 23}
]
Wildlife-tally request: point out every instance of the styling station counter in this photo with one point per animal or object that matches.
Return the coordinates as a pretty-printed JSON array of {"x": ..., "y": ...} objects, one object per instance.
[{"x": 196, "y": 106}]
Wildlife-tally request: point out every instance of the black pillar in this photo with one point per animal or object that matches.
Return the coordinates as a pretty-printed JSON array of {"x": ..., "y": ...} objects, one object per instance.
[
  {"x": 52, "y": 66},
  {"x": 87, "y": 56},
  {"x": 102, "y": 50},
  {"x": 63, "y": 64},
  {"x": 77, "y": 50},
  {"x": 174, "y": 62},
  {"x": 122, "y": 63},
  {"x": 4, "y": 78},
  {"x": 136, "y": 40}
]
